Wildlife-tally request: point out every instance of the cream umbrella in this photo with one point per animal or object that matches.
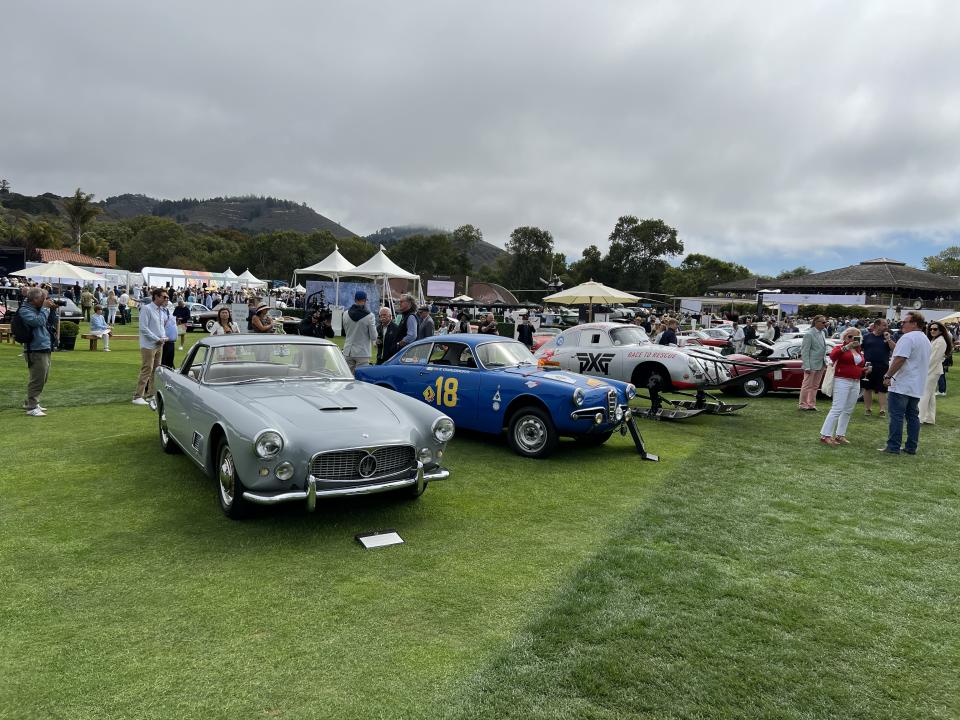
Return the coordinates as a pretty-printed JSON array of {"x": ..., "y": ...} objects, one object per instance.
[
  {"x": 58, "y": 269},
  {"x": 951, "y": 318},
  {"x": 589, "y": 293}
]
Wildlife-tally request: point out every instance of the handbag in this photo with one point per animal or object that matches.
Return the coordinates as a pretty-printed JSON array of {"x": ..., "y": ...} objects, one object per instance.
[{"x": 826, "y": 387}]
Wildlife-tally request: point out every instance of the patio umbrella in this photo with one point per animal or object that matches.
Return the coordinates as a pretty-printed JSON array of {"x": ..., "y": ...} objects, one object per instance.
[
  {"x": 58, "y": 269},
  {"x": 589, "y": 293},
  {"x": 951, "y": 318}
]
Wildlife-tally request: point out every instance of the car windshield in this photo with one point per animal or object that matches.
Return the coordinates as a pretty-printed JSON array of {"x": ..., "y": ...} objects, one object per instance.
[
  {"x": 504, "y": 354},
  {"x": 629, "y": 335},
  {"x": 271, "y": 362}
]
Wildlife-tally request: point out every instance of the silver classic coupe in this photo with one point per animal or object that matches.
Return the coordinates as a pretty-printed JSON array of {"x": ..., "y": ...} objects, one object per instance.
[{"x": 278, "y": 421}]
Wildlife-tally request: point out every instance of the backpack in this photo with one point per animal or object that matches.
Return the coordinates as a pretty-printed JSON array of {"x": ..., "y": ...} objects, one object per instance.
[{"x": 22, "y": 332}]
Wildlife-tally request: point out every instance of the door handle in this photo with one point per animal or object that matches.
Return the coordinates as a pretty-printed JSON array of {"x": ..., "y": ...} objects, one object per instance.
[{"x": 167, "y": 386}]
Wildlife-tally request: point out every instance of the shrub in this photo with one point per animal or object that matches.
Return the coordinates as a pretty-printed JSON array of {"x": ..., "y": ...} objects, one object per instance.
[{"x": 69, "y": 329}]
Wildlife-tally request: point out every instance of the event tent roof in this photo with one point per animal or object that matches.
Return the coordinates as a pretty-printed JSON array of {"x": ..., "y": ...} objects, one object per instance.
[
  {"x": 333, "y": 265},
  {"x": 380, "y": 266},
  {"x": 248, "y": 277},
  {"x": 228, "y": 274}
]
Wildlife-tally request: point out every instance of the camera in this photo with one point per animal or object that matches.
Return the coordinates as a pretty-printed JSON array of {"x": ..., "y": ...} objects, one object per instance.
[{"x": 60, "y": 303}]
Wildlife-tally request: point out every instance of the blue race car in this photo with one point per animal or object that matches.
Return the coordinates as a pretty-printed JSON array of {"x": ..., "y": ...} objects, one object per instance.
[{"x": 488, "y": 383}]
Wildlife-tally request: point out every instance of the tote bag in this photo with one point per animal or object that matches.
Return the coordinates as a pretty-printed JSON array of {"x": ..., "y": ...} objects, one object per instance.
[{"x": 826, "y": 387}]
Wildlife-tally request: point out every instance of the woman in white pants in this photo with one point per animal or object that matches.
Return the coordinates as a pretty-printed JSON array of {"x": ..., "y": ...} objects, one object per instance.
[
  {"x": 940, "y": 341},
  {"x": 849, "y": 367}
]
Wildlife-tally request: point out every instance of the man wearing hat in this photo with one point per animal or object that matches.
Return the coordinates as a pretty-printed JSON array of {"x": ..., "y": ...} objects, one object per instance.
[
  {"x": 426, "y": 327},
  {"x": 361, "y": 331}
]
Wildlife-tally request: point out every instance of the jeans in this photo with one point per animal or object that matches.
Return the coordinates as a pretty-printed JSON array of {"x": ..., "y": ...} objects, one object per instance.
[
  {"x": 942, "y": 383},
  {"x": 898, "y": 407}
]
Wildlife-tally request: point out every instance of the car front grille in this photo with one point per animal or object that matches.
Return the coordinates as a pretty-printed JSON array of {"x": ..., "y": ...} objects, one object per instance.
[
  {"x": 611, "y": 403},
  {"x": 349, "y": 465}
]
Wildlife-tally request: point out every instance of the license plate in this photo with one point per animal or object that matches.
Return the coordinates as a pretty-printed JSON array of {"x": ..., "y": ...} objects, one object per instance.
[{"x": 778, "y": 374}]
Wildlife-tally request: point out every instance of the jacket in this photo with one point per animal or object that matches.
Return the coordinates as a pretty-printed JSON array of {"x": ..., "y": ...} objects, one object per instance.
[
  {"x": 845, "y": 364},
  {"x": 427, "y": 328},
  {"x": 361, "y": 331},
  {"x": 525, "y": 335},
  {"x": 37, "y": 321},
  {"x": 813, "y": 348}
]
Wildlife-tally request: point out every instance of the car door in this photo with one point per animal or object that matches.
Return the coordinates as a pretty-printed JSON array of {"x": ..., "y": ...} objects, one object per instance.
[
  {"x": 595, "y": 355},
  {"x": 450, "y": 381},
  {"x": 178, "y": 389},
  {"x": 566, "y": 346},
  {"x": 792, "y": 374},
  {"x": 406, "y": 376}
]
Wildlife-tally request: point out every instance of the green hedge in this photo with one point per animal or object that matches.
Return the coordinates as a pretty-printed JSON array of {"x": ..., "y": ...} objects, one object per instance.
[
  {"x": 506, "y": 329},
  {"x": 838, "y": 311}
]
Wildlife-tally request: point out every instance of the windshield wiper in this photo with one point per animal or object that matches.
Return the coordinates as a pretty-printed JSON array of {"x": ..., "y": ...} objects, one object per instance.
[{"x": 328, "y": 378}]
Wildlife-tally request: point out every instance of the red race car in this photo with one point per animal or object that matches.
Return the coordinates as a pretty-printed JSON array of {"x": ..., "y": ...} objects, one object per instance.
[{"x": 544, "y": 335}]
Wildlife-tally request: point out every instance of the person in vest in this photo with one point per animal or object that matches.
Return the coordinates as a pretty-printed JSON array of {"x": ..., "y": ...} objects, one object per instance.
[{"x": 408, "y": 320}]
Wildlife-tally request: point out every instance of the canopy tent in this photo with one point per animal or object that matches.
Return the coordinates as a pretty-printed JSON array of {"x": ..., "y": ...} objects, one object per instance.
[
  {"x": 300, "y": 289},
  {"x": 333, "y": 266},
  {"x": 58, "y": 270},
  {"x": 247, "y": 279},
  {"x": 176, "y": 277},
  {"x": 229, "y": 274},
  {"x": 589, "y": 293},
  {"x": 461, "y": 299},
  {"x": 382, "y": 268}
]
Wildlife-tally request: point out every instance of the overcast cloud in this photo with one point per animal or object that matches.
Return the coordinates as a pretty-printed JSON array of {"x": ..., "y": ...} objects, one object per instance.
[{"x": 772, "y": 134}]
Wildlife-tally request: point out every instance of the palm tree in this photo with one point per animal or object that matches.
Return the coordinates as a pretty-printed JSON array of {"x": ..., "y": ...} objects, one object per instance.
[{"x": 80, "y": 213}]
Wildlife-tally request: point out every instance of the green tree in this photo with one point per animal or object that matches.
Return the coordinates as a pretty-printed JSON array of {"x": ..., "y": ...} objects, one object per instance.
[
  {"x": 946, "y": 262},
  {"x": 638, "y": 251},
  {"x": 796, "y": 272},
  {"x": 698, "y": 272},
  {"x": 4, "y": 186},
  {"x": 531, "y": 256},
  {"x": 32, "y": 234},
  {"x": 154, "y": 242},
  {"x": 588, "y": 267},
  {"x": 80, "y": 213}
]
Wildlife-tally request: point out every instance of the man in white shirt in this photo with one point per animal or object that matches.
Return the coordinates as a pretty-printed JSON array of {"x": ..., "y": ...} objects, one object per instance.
[
  {"x": 153, "y": 318},
  {"x": 906, "y": 378}
]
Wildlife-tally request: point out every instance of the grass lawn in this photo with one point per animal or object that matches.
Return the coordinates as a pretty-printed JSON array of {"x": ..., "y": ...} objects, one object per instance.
[{"x": 751, "y": 573}]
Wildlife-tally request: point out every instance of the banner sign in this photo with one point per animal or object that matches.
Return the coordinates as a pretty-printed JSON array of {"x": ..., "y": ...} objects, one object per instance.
[
  {"x": 797, "y": 299},
  {"x": 441, "y": 288},
  {"x": 347, "y": 290}
]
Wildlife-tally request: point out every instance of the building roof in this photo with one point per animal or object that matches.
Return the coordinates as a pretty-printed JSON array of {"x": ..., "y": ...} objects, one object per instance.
[
  {"x": 74, "y": 258},
  {"x": 879, "y": 274}
]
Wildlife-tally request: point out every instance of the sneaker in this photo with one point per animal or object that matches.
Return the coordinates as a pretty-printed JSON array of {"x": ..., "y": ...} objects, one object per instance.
[
  {"x": 841, "y": 440},
  {"x": 888, "y": 452},
  {"x": 181, "y": 347},
  {"x": 36, "y": 412},
  {"x": 140, "y": 401},
  {"x": 106, "y": 349}
]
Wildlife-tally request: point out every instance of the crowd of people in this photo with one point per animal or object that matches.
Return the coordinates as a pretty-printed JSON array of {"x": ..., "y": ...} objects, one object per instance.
[{"x": 900, "y": 371}]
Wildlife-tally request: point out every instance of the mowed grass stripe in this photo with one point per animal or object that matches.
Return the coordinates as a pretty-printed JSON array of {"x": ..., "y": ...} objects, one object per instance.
[
  {"x": 127, "y": 594},
  {"x": 767, "y": 577}
]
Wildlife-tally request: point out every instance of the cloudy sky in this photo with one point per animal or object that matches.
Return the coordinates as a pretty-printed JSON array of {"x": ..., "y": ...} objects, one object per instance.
[{"x": 771, "y": 134}]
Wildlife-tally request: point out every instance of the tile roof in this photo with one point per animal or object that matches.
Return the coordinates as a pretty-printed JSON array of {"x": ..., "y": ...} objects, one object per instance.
[{"x": 75, "y": 258}]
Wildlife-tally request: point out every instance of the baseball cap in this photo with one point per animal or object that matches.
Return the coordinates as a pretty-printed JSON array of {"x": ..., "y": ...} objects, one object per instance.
[{"x": 360, "y": 295}]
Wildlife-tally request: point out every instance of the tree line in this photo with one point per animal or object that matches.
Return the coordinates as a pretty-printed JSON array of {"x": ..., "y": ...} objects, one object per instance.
[{"x": 637, "y": 258}]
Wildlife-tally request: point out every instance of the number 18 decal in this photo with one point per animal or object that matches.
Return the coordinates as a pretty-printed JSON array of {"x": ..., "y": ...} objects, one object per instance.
[{"x": 446, "y": 393}]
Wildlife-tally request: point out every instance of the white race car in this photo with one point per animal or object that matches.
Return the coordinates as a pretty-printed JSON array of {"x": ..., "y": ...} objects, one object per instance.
[{"x": 625, "y": 352}]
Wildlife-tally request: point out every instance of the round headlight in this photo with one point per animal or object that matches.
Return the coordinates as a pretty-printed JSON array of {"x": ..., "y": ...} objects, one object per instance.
[
  {"x": 631, "y": 391},
  {"x": 578, "y": 396},
  {"x": 618, "y": 413},
  {"x": 284, "y": 471},
  {"x": 268, "y": 444},
  {"x": 443, "y": 429},
  {"x": 425, "y": 456}
]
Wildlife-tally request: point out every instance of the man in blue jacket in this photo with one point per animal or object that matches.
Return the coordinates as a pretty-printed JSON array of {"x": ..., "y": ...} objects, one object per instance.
[{"x": 37, "y": 311}]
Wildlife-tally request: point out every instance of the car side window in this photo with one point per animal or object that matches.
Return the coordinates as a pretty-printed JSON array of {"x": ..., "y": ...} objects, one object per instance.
[
  {"x": 416, "y": 355},
  {"x": 438, "y": 356},
  {"x": 193, "y": 367}
]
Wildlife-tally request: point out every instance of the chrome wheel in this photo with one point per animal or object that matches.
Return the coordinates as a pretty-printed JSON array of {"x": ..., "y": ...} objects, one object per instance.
[
  {"x": 228, "y": 478},
  {"x": 755, "y": 388},
  {"x": 531, "y": 434},
  {"x": 167, "y": 443}
]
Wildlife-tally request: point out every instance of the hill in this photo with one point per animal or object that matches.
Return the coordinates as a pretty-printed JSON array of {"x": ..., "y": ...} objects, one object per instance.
[
  {"x": 483, "y": 253},
  {"x": 250, "y": 213}
]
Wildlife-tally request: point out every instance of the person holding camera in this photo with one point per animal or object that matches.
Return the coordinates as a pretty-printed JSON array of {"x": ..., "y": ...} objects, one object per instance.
[
  {"x": 317, "y": 324},
  {"x": 37, "y": 312},
  {"x": 877, "y": 346},
  {"x": 849, "y": 366}
]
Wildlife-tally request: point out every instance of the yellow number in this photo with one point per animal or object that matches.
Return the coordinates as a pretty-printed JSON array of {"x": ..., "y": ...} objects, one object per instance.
[{"x": 446, "y": 392}]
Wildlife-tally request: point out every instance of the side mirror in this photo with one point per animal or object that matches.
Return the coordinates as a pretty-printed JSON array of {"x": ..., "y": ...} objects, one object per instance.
[{"x": 195, "y": 373}]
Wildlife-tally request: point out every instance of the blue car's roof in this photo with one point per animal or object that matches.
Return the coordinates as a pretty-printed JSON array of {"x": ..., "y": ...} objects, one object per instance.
[{"x": 471, "y": 339}]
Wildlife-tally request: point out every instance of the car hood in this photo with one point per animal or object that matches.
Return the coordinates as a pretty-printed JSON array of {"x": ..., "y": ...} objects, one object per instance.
[
  {"x": 343, "y": 406},
  {"x": 557, "y": 377}
]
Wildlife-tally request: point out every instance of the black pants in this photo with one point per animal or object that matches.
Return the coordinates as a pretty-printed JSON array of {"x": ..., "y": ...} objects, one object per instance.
[{"x": 166, "y": 355}]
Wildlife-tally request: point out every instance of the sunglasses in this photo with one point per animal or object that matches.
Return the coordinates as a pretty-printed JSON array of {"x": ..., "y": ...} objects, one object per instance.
[{"x": 933, "y": 329}]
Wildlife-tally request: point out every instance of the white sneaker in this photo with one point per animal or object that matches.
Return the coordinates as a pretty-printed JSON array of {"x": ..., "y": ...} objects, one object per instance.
[
  {"x": 106, "y": 349},
  {"x": 140, "y": 401},
  {"x": 36, "y": 412},
  {"x": 181, "y": 347}
]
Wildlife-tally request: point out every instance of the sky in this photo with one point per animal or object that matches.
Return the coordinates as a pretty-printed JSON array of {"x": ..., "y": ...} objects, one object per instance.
[{"x": 769, "y": 134}]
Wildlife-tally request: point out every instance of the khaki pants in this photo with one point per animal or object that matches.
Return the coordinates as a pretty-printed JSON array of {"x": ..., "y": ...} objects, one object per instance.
[
  {"x": 149, "y": 361},
  {"x": 38, "y": 364},
  {"x": 808, "y": 390},
  {"x": 354, "y": 362}
]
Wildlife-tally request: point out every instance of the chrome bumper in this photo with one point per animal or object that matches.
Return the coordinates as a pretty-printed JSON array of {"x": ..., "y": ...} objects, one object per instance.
[{"x": 312, "y": 492}]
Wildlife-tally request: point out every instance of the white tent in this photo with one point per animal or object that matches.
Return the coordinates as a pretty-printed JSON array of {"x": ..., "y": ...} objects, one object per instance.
[
  {"x": 229, "y": 274},
  {"x": 300, "y": 289},
  {"x": 58, "y": 269},
  {"x": 382, "y": 268},
  {"x": 333, "y": 266},
  {"x": 248, "y": 279}
]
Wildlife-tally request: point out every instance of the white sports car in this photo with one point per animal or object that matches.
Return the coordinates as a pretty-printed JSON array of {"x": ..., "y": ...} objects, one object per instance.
[{"x": 625, "y": 352}]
